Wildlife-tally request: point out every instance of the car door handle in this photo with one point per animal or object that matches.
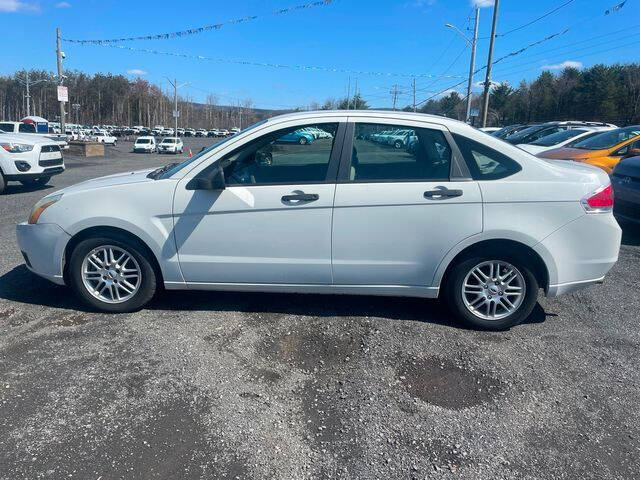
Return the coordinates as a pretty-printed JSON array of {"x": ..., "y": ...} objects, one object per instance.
[
  {"x": 441, "y": 193},
  {"x": 300, "y": 197}
]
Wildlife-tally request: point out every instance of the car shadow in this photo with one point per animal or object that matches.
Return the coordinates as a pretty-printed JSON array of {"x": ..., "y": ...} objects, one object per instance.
[
  {"x": 22, "y": 286},
  {"x": 15, "y": 188}
]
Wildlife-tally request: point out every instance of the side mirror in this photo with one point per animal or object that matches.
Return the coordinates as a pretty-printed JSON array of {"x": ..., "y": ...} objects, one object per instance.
[{"x": 213, "y": 182}]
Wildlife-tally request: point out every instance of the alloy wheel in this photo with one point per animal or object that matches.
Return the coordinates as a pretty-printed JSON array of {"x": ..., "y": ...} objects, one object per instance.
[
  {"x": 111, "y": 274},
  {"x": 493, "y": 290}
]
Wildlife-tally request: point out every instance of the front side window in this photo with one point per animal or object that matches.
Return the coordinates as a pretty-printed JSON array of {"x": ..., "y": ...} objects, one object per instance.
[
  {"x": 288, "y": 156},
  {"x": 485, "y": 163},
  {"x": 6, "y": 127},
  {"x": 27, "y": 128},
  {"x": 382, "y": 153}
]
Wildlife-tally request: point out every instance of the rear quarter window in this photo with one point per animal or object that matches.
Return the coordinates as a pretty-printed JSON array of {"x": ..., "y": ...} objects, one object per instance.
[{"x": 484, "y": 162}]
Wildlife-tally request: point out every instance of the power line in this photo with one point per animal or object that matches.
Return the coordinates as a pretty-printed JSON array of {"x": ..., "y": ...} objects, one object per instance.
[
  {"x": 551, "y": 12},
  {"x": 205, "y": 28}
]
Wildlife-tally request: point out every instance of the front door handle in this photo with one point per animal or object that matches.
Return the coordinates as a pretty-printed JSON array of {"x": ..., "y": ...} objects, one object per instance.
[
  {"x": 300, "y": 197},
  {"x": 440, "y": 193}
]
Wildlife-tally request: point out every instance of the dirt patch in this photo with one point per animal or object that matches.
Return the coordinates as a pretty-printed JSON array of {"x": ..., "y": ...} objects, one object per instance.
[
  {"x": 441, "y": 382},
  {"x": 72, "y": 320},
  {"x": 7, "y": 312},
  {"x": 311, "y": 351}
]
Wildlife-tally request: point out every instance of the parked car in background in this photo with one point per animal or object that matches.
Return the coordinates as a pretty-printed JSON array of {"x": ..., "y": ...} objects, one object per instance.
[
  {"x": 347, "y": 216},
  {"x": 625, "y": 180},
  {"x": 604, "y": 150},
  {"x": 399, "y": 138},
  {"x": 101, "y": 136},
  {"x": 180, "y": 132},
  {"x": 489, "y": 130},
  {"x": 563, "y": 138},
  {"x": 201, "y": 132},
  {"x": 146, "y": 144},
  {"x": 29, "y": 159},
  {"x": 171, "y": 145},
  {"x": 298, "y": 136},
  {"x": 189, "y": 132},
  {"x": 167, "y": 132},
  {"x": 509, "y": 130},
  {"x": 535, "y": 132},
  {"x": 29, "y": 128},
  {"x": 224, "y": 132}
]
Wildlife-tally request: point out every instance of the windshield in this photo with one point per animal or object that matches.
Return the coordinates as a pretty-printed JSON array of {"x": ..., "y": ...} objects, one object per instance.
[
  {"x": 168, "y": 140},
  {"x": 143, "y": 140},
  {"x": 608, "y": 139},
  {"x": 556, "y": 138},
  {"x": 522, "y": 134},
  {"x": 175, "y": 169}
]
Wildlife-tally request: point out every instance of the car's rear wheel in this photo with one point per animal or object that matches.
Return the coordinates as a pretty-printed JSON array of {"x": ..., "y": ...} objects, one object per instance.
[
  {"x": 302, "y": 141},
  {"x": 112, "y": 274},
  {"x": 3, "y": 183},
  {"x": 492, "y": 292},
  {"x": 398, "y": 144}
]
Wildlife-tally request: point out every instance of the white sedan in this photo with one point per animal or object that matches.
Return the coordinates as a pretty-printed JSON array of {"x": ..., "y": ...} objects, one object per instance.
[{"x": 466, "y": 217}]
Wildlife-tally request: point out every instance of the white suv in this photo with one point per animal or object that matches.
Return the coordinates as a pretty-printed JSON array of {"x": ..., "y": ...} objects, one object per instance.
[
  {"x": 145, "y": 145},
  {"x": 31, "y": 160},
  {"x": 464, "y": 216},
  {"x": 171, "y": 145}
]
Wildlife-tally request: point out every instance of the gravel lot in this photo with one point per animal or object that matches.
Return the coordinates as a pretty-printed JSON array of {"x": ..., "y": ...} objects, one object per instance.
[{"x": 222, "y": 385}]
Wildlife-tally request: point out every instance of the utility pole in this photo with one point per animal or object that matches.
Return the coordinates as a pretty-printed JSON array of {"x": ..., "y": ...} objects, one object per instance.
[
  {"x": 413, "y": 84},
  {"x": 472, "y": 66},
  {"x": 394, "y": 93},
  {"x": 349, "y": 94},
  {"x": 60, "y": 79},
  {"x": 355, "y": 96},
  {"x": 487, "y": 81},
  {"x": 176, "y": 113}
]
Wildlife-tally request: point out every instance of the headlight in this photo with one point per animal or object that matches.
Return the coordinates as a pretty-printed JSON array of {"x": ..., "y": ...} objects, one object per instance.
[
  {"x": 12, "y": 147},
  {"x": 41, "y": 206}
]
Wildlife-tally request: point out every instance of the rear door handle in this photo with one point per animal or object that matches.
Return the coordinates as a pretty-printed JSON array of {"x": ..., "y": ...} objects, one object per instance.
[
  {"x": 441, "y": 193},
  {"x": 300, "y": 197}
]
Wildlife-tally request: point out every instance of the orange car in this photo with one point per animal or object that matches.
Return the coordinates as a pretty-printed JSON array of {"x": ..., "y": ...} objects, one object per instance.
[{"x": 604, "y": 150}]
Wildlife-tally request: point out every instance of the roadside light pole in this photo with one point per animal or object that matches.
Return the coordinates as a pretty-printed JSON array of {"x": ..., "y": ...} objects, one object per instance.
[
  {"x": 176, "y": 112},
  {"x": 60, "y": 79},
  {"x": 472, "y": 65},
  {"x": 27, "y": 83},
  {"x": 487, "y": 81}
]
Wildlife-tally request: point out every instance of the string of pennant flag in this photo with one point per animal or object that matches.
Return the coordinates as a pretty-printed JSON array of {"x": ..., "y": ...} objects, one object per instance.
[
  {"x": 316, "y": 68},
  {"x": 205, "y": 28}
]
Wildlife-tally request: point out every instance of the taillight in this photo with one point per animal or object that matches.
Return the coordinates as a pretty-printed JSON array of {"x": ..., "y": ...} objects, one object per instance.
[{"x": 599, "y": 201}]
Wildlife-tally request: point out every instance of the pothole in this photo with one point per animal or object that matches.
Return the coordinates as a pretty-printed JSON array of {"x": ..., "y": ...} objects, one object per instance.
[{"x": 441, "y": 382}]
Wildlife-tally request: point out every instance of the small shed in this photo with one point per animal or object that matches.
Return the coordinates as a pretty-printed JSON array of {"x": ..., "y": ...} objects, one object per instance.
[{"x": 41, "y": 124}]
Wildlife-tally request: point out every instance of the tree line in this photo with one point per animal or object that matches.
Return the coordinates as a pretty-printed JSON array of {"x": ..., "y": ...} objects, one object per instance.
[
  {"x": 600, "y": 93},
  {"x": 106, "y": 99}
]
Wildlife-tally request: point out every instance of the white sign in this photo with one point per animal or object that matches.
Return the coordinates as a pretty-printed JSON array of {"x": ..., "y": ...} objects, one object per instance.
[
  {"x": 475, "y": 112},
  {"x": 63, "y": 94},
  {"x": 176, "y": 113}
]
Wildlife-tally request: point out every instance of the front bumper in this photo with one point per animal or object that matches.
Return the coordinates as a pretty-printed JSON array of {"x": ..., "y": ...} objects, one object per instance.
[{"x": 42, "y": 246}]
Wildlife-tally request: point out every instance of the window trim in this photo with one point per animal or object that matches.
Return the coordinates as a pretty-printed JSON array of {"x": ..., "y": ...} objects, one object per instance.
[
  {"x": 458, "y": 170},
  {"x": 332, "y": 165}
]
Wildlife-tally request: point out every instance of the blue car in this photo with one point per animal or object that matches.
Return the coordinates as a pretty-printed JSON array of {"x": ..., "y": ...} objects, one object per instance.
[{"x": 303, "y": 138}]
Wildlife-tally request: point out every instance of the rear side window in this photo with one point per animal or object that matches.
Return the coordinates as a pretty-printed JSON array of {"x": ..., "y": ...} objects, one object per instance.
[
  {"x": 485, "y": 163},
  {"x": 27, "y": 128},
  {"x": 398, "y": 153}
]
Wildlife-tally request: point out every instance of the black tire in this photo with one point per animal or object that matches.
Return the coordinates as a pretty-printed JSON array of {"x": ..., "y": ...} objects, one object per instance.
[
  {"x": 148, "y": 281},
  {"x": 3, "y": 183},
  {"x": 454, "y": 296},
  {"x": 398, "y": 144},
  {"x": 303, "y": 141},
  {"x": 35, "y": 182}
]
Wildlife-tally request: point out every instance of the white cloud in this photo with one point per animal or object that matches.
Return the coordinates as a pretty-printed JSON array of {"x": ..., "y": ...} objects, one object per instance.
[
  {"x": 17, "y": 6},
  {"x": 136, "y": 71},
  {"x": 563, "y": 65},
  {"x": 63, "y": 5},
  {"x": 482, "y": 3}
]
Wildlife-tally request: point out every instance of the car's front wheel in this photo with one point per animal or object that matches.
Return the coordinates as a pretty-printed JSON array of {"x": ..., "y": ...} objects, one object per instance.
[
  {"x": 493, "y": 292},
  {"x": 3, "y": 183},
  {"x": 302, "y": 141},
  {"x": 112, "y": 274}
]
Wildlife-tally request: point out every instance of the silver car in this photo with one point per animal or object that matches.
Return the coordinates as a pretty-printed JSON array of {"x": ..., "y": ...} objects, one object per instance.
[{"x": 461, "y": 215}]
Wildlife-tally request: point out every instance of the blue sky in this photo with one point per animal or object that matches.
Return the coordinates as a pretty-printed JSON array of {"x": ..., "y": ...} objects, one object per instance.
[{"x": 404, "y": 37}]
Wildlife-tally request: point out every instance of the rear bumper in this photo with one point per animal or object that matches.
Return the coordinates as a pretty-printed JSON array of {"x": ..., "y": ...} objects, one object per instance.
[
  {"x": 42, "y": 246},
  {"x": 580, "y": 253}
]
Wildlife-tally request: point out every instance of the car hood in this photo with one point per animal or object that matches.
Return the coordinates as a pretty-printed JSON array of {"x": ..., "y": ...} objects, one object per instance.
[
  {"x": 110, "y": 181},
  {"x": 30, "y": 138}
]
